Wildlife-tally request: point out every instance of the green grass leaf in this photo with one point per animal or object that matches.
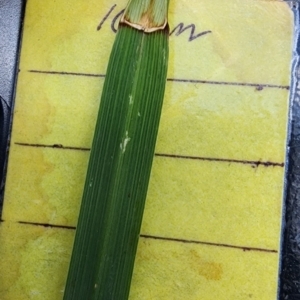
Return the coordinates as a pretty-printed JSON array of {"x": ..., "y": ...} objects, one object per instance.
[{"x": 119, "y": 167}]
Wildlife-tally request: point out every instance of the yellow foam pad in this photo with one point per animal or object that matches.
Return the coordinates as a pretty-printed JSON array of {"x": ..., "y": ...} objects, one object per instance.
[{"x": 211, "y": 228}]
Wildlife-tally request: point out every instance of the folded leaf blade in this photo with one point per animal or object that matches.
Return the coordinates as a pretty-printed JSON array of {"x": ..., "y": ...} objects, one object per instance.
[{"x": 119, "y": 167}]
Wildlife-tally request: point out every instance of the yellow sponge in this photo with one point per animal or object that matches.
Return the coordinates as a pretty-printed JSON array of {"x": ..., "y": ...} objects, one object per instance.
[{"x": 211, "y": 227}]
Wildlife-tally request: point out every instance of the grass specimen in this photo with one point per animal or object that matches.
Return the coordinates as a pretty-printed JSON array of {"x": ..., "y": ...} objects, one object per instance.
[{"x": 121, "y": 156}]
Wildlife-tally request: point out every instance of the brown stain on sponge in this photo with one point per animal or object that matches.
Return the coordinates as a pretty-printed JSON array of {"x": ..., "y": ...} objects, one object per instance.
[{"x": 208, "y": 269}]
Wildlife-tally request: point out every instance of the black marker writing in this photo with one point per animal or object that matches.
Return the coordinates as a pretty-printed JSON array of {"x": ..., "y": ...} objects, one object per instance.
[
  {"x": 178, "y": 30},
  {"x": 116, "y": 20},
  {"x": 106, "y": 16}
]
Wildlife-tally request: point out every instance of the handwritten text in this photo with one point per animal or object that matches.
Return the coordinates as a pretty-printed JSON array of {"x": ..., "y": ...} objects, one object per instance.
[{"x": 177, "y": 30}]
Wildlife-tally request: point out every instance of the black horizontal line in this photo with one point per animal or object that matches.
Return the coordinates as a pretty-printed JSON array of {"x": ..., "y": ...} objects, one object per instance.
[
  {"x": 66, "y": 73},
  {"x": 146, "y": 236},
  {"x": 47, "y": 225},
  {"x": 253, "y": 163},
  {"x": 258, "y": 86},
  {"x": 55, "y": 146}
]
